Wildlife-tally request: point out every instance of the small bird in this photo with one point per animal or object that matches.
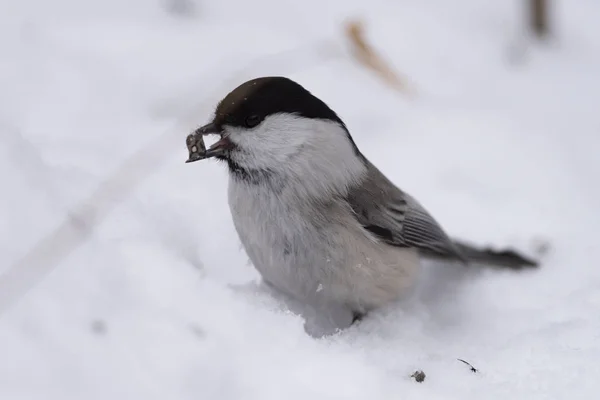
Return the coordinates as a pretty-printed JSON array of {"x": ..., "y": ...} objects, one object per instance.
[{"x": 320, "y": 223}]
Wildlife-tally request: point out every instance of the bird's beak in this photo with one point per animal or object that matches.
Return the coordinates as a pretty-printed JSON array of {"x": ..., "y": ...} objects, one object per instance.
[{"x": 197, "y": 149}]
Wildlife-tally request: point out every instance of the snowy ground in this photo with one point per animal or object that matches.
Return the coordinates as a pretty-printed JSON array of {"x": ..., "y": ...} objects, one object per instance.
[{"x": 500, "y": 144}]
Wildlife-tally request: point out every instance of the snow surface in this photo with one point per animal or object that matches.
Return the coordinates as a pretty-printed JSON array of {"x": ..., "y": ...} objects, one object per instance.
[{"x": 500, "y": 143}]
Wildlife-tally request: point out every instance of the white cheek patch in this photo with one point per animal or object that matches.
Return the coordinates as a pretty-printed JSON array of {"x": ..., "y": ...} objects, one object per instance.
[
  {"x": 316, "y": 154},
  {"x": 278, "y": 138}
]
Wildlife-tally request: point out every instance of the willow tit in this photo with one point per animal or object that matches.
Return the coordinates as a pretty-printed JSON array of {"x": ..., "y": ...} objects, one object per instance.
[{"x": 317, "y": 219}]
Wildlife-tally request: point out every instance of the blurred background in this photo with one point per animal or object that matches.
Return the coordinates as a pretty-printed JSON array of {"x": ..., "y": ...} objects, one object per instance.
[{"x": 121, "y": 275}]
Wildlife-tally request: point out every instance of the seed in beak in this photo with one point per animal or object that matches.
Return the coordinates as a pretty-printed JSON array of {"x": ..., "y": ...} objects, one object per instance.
[{"x": 196, "y": 147}]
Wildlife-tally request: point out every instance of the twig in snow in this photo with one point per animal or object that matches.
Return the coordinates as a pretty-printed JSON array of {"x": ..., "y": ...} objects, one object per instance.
[
  {"x": 473, "y": 369},
  {"x": 539, "y": 18},
  {"x": 366, "y": 55}
]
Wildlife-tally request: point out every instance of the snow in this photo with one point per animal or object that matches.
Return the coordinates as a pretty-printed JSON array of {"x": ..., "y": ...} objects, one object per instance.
[{"x": 159, "y": 301}]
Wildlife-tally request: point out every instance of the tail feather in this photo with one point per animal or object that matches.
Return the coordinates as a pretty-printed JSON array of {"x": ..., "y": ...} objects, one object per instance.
[{"x": 499, "y": 258}]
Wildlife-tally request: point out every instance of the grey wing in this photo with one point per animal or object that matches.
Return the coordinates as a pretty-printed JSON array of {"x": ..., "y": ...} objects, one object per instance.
[
  {"x": 396, "y": 218},
  {"x": 421, "y": 230}
]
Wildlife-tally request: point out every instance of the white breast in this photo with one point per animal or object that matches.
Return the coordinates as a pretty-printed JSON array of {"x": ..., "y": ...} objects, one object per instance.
[{"x": 304, "y": 249}]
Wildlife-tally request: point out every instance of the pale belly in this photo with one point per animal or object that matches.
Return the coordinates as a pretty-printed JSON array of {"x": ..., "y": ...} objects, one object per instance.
[{"x": 326, "y": 255}]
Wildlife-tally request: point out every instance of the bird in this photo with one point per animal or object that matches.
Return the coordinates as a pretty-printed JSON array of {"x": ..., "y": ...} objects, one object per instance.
[{"x": 318, "y": 220}]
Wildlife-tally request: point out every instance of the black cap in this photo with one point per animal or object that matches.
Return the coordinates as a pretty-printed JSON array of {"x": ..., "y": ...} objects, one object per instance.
[{"x": 251, "y": 102}]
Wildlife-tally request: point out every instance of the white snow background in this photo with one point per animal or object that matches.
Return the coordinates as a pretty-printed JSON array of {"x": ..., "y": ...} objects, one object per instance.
[{"x": 499, "y": 142}]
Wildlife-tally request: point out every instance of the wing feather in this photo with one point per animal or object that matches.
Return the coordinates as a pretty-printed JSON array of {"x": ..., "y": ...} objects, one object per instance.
[{"x": 397, "y": 219}]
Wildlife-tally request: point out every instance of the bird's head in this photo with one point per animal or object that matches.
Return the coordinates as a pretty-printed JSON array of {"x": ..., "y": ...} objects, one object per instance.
[{"x": 272, "y": 125}]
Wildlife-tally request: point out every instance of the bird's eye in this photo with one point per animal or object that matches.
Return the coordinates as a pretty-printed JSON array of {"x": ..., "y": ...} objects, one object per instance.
[{"x": 252, "y": 120}]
